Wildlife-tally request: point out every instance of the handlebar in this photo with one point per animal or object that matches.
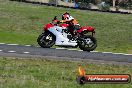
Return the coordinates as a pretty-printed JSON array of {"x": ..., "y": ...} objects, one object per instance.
[{"x": 55, "y": 20}]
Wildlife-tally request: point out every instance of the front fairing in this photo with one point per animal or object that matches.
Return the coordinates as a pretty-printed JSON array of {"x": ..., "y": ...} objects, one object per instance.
[{"x": 47, "y": 26}]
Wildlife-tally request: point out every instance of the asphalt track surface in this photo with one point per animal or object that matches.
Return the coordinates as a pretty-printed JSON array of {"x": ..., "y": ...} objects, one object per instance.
[{"x": 31, "y": 51}]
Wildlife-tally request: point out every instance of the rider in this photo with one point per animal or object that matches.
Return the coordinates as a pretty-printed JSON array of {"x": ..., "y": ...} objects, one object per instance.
[{"x": 67, "y": 18}]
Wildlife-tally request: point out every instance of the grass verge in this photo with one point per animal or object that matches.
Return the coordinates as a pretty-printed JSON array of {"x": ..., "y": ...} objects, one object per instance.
[{"x": 44, "y": 73}]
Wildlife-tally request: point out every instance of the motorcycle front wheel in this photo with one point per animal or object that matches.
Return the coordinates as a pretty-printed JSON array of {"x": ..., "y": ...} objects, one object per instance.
[
  {"x": 87, "y": 43},
  {"x": 46, "y": 40}
]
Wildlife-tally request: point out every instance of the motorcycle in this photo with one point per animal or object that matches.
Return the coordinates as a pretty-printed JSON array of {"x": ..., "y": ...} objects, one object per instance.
[{"x": 63, "y": 35}]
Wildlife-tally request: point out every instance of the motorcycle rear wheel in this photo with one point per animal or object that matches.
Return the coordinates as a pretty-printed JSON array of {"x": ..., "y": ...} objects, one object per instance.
[
  {"x": 46, "y": 40},
  {"x": 87, "y": 43}
]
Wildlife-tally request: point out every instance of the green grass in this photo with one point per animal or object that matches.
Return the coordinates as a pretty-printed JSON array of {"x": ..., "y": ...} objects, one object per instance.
[
  {"x": 22, "y": 23},
  {"x": 44, "y": 73}
]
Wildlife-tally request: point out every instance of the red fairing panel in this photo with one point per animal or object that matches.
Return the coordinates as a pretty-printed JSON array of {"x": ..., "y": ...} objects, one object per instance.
[
  {"x": 64, "y": 25},
  {"x": 89, "y": 29},
  {"x": 48, "y": 26}
]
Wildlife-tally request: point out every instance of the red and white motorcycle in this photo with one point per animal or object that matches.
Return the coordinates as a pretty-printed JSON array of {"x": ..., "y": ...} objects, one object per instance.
[{"x": 62, "y": 35}]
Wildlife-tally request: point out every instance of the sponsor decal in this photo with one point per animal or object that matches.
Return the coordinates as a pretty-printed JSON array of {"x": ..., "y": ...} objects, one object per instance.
[{"x": 83, "y": 78}]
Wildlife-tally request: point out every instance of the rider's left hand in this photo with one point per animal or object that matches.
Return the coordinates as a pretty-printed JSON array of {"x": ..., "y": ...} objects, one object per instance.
[{"x": 58, "y": 22}]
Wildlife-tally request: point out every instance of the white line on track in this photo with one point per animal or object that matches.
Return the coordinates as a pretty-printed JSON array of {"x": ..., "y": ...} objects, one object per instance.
[
  {"x": 2, "y": 43},
  {"x": 118, "y": 53},
  {"x": 1, "y": 50},
  {"x": 26, "y": 52},
  {"x": 60, "y": 48},
  {"x": 127, "y": 54},
  {"x": 27, "y": 45},
  {"x": 11, "y": 51},
  {"x": 12, "y": 44},
  {"x": 80, "y": 50},
  {"x": 106, "y": 52},
  {"x": 94, "y": 51},
  {"x": 72, "y": 49}
]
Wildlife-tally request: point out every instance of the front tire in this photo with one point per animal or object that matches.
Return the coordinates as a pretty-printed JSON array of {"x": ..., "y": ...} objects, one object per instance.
[
  {"x": 46, "y": 40},
  {"x": 87, "y": 43}
]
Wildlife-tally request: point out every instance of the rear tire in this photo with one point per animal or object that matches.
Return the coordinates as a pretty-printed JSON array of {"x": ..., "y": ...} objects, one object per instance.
[
  {"x": 87, "y": 43},
  {"x": 43, "y": 40}
]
